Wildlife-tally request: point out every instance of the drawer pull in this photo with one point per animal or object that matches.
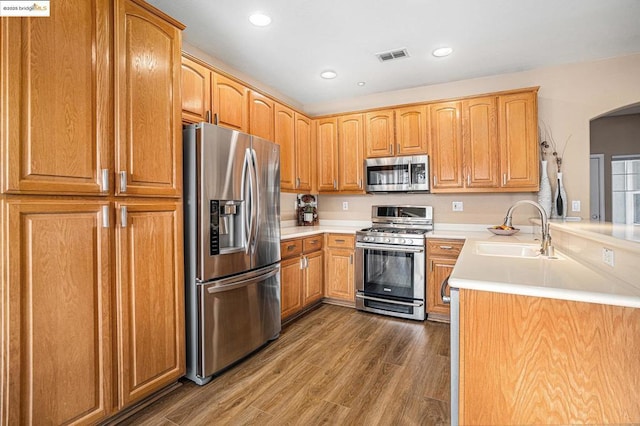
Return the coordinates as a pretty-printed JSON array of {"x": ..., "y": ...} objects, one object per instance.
[
  {"x": 446, "y": 247},
  {"x": 340, "y": 241},
  {"x": 291, "y": 247}
]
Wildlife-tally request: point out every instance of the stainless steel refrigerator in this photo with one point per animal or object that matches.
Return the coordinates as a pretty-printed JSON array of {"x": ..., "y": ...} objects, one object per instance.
[{"x": 232, "y": 246}]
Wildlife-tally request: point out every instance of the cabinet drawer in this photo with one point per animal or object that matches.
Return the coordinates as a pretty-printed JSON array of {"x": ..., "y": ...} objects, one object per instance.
[
  {"x": 340, "y": 241},
  {"x": 290, "y": 248},
  {"x": 311, "y": 244},
  {"x": 444, "y": 248}
]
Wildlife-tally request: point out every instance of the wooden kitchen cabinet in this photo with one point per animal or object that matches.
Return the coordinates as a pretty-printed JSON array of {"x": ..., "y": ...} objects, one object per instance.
[
  {"x": 290, "y": 286},
  {"x": 446, "y": 145},
  {"x": 327, "y": 145},
  {"x": 340, "y": 145},
  {"x": 57, "y": 113},
  {"x": 313, "y": 280},
  {"x": 518, "y": 135},
  {"x": 293, "y": 133},
  {"x": 480, "y": 143},
  {"x": 230, "y": 103},
  {"x": 261, "y": 116},
  {"x": 196, "y": 92},
  {"x": 339, "y": 267},
  {"x": 305, "y": 154},
  {"x": 149, "y": 297},
  {"x": 441, "y": 258},
  {"x": 411, "y": 130},
  {"x": 56, "y": 312},
  {"x": 380, "y": 138}
]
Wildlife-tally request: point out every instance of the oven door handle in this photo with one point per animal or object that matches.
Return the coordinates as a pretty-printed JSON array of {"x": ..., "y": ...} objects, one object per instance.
[
  {"x": 384, "y": 247},
  {"x": 393, "y": 302}
]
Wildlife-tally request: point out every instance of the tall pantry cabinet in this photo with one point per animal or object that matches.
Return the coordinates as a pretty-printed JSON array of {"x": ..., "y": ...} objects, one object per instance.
[{"x": 92, "y": 302}]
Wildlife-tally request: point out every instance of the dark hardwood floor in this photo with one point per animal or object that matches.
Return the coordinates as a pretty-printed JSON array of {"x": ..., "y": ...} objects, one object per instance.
[{"x": 335, "y": 366}]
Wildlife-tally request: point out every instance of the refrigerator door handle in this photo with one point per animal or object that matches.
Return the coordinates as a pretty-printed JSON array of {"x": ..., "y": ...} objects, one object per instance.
[
  {"x": 247, "y": 189},
  {"x": 255, "y": 198},
  {"x": 242, "y": 283}
]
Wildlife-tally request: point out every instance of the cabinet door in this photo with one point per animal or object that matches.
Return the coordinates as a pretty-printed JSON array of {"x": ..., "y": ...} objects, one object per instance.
[
  {"x": 480, "y": 143},
  {"x": 285, "y": 127},
  {"x": 149, "y": 298},
  {"x": 56, "y": 351},
  {"x": 57, "y": 100},
  {"x": 148, "y": 106},
  {"x": 290, "y": 286},
  {"x": 305, "y": 154},
  {"x": 340, "y": 274},
  {"x": 439, "y": 270},
  {"x": 446, "y": 146},
  {"x": 327, "y": 146},
  {"x": 196, "y": 92},
  {"x": 350, "y": 152},
  {"x": 411, "y": 130},
  {"x": 519, "y": 151},
  {"x": 261, "y": 113},
  {"x": 379, "y": 137},
  {"x": 313, "y": 278},
  {"x": 230, "y": 103}
]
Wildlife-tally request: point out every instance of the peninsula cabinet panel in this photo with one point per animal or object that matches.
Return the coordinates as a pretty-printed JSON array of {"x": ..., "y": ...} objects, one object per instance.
[
  {"x": 56, "y": 352},
  {"x": 305, "y": 154},
  {"x": 56, "y": 116},
  {"x": 327, "y": 146},
  {"x": 350, "y": 153},
  {"x": 285, "y": 136},
  {"x": 230, "y": 105},
  {"x": 148, "y": 106},
  {"x": 530, "y": 360},
  {"x": 196, "y": 92},
  {"x": 446, "y": 145},
  {"x": 149, "y": 298},
  {"x": 480, "y": 143},
  {"x": 411, "y": 130},
  {"x": 518, "y": 132},
  {"x": 379, "y": 134},
  {"x": 261, "y": 115}
]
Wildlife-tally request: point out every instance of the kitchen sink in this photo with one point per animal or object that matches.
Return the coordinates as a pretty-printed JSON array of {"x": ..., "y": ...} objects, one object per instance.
[{"x": 508, "y": 249}]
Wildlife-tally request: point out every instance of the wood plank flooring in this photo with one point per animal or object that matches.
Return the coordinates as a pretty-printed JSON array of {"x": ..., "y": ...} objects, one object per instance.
[{"x": 335, "y": 366}]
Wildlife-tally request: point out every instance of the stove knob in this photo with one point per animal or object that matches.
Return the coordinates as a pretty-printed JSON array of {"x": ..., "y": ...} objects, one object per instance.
[
  {"x": 387, "y": 240},
  {"x": 402, "y": 241},
  {"x": 366, "y": 239}
]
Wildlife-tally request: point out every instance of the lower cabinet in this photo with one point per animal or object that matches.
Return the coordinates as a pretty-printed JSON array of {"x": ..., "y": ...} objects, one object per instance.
[
  {"x": 441, "y": 258},
  {"x": 339, "y": 266},
  {"x": 86, "y": 332},
  {"x": 301, "y": 274}
]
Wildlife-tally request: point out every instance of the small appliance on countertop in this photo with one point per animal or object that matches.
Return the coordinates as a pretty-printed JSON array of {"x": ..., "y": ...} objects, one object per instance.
[
  {"x": 307, "y": 210},
  {"x": 391, "y": 261}
]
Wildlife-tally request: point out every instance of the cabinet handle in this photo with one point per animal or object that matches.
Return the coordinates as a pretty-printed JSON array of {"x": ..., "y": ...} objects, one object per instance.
[
  {"x": 431, "y": 265},
  {"x": 104, "y": 183},
  {"x": 468, "y": 180},
  {"x": 340, "y": 241},
  {"x": 302, "y": 263},
  {"x": 360, "y": 183},
  {"x": 215, "y": 118},
  {"x": 446, "y": 247},
  {"x": 390, "y": 148},
  {"x": 335, "y": 184},
  {"x": 123, "y": 217},
  {"x": 351, "y": 259},
  {"x": 105, "y": 216},
  {"x": 398, "y": 149},
  {"x": 435, "y": 180},
  {"x": 504, "y": 179},
  {"x": 123, "y": 181},
  {"x": 445, "y": 299},
  {"x": 297, "y": 182},
  {"x": 207, "y": 116},
  {"x": 291, "y": 247}
]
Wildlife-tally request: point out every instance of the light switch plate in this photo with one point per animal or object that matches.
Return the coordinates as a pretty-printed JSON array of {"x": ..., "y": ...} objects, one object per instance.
[
  {"x": 457, "y": 206},
  {"x": 345, "y": 205},
  {"x": 575, "y": 206},
  {"x": 608, "y": 256}
]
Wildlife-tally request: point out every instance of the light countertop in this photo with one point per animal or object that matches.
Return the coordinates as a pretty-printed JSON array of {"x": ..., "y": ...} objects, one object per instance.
[{"x": 563, "y": 278}]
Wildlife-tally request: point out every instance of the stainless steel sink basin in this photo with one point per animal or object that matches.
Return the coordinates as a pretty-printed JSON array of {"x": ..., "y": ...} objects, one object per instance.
[{"x": 508, "y": 249}]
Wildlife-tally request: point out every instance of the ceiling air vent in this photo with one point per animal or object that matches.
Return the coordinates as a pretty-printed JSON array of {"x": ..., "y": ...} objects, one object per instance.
[{"x": 392, "y": 54}]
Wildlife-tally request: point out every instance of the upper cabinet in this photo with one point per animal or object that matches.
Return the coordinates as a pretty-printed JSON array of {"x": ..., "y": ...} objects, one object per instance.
[
  {"x": 518, "y": 133},
  {"x": 305, "y": 154},
  {"x": 196, "y": 92},
  {"x": 57, "y": 121},
  {"x": 446, "y": 145},
  {"x": 350, "y": 153},
  {"x": 379, "y": 134},
  {"x": 147, "y": 92},
  {"x": 230, "y": 105},
  {"x": 480, "y": 143},
  {"x": 261, "y": 116},
  {"x": 327, "y": 146},
  {"x": 285, "y": 126},
  {"x": 411, "y": 130}
]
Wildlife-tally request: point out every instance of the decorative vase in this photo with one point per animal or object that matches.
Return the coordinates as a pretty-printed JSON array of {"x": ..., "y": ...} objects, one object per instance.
[
  {"x": 560, "y": 200},
  {"x": 544, "y": 194}
]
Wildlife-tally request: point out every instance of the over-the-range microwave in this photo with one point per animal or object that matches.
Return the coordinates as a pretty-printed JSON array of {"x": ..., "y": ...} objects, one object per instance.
[{"x": 397, "y": 174}]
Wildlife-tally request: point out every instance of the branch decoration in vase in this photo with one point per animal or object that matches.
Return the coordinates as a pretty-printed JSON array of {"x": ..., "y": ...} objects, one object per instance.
[{"x": 559, "y": 199}]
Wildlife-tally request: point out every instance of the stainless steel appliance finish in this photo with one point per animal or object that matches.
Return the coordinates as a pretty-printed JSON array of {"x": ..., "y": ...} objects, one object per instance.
[
  {"x": 625, "y": 182},
  {"x": 397, "y": 174},
  {"x": 391, "y": 259},
  {"x": 232, "y": 246}
]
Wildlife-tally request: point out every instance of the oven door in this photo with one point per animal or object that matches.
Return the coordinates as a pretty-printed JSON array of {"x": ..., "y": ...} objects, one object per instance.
[{"x": 390, "y": 279}]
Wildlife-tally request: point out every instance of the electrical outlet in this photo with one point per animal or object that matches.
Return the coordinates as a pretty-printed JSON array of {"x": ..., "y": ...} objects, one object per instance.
[
  {"x": 575, "y": 206},
  {"x": 457, "y": 206},
  {"x": 608, "y": 256},
  {"x": 345, "y": 205}
]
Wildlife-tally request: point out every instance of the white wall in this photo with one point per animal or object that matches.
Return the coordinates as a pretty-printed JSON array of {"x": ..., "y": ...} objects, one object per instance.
[{"x": 569, "y": 97}]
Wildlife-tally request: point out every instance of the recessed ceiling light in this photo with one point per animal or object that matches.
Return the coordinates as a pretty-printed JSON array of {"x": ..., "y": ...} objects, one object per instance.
[
  {"x": 361, "y": 83},
  {"x": 260, "y": 19},
  {"x": 442, "y": 51},
  {"x": 328, "y": 74}
]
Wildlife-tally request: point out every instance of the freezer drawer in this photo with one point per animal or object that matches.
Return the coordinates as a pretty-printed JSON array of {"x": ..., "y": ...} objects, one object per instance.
[{"x": 238, "y": 315}]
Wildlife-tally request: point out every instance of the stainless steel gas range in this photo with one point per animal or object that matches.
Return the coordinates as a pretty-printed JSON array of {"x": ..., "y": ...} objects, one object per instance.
[{"x": 391, "y": 261}]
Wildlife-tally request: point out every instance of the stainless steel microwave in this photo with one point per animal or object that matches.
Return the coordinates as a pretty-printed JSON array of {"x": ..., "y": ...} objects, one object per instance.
[{"x": 397, "y": 174}]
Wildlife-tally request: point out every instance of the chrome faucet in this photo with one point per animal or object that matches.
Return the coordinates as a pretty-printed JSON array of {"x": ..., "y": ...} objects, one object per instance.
[{"x": 545, "y": 249}]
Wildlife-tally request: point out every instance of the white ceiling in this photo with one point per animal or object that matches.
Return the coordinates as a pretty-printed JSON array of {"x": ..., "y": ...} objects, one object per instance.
[{"x": 488, "y": 37}]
